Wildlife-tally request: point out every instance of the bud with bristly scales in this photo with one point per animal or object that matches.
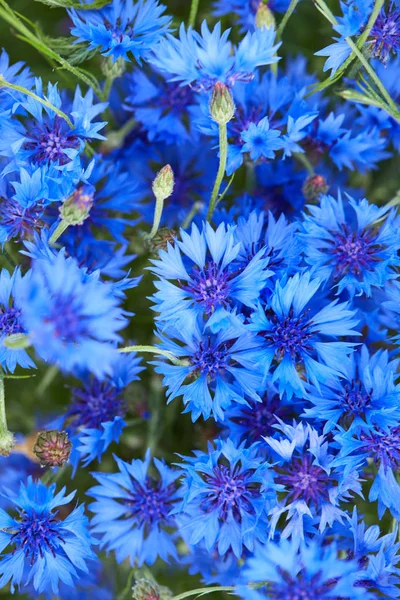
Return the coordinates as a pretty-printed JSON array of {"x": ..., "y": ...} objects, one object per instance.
[
  {"x": 76, "y": 208},
  {"x": 314, "y": 187},
  {"x": 145, "y": 589},
  {"x": 163, "y": 184},
  {"x": 264, "y": 17},
  {"x": 52, "y": 448},
  {"x": 222, "y": 107}
]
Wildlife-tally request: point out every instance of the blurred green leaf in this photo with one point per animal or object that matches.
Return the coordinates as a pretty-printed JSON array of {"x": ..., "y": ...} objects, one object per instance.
[{"x": 73, "y": 4}]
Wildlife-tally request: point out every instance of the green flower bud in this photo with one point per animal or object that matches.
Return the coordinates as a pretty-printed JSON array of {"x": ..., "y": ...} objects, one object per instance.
[
  {"x": 76, "y": 208},
  {"x": 113, "y": 69},
  {"x": 163, "y": 184},
  {"x": 52, "y": 448},
  {"x": 264, "y": 17},
  {"x": 222, "y": 107},
  {"x": 145, "y": 589},
  {"x": 314, "y": 187}
]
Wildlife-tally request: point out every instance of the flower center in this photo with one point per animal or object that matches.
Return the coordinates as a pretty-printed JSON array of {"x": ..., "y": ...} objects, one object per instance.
[
  {"x": 68, "y": 326},
  {"x": 301, "y": 588},
  {"x": 290, "y": 335},
  {"x": 49, "y": 142},
  {"x": 176, "y": 98},
  {"x": 150, "y": 504},
  {"x": 354, "y": 252},
  {"x": 210, "y": 360},
  {"x": 209, "y": 287},
  {"x": 385, "y": 447},
  {"x": 258, "y": 419},
  {"x": 229, "y": 491},
  {"x": 98, "y": 402},
  {"x": 304, "y": 481},
  {"x": 10, "y": 321},
  {"x": 385, "y": 35},
  {"x": 355, "y": 397},
  {"x": 36, "y": 534},
  {"x": 19, "y": 221}
]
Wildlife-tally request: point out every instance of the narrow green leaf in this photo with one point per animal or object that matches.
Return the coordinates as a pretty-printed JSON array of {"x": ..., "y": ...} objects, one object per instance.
[{"x": 96, "y": 4}]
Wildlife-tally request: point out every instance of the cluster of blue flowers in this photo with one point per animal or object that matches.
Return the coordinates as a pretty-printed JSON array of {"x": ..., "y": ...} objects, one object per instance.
[{"x": 198, "y": 189}]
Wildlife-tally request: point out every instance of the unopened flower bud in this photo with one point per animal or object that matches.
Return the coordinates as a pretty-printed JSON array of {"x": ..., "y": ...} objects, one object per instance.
[
  {"x": 163, "y": 184},
  {"x": 52, "y": 448},
  {"x": 222, "y": 107},
  {"x": 314, "y": 187},
  {"x": 160, "y": 241},
  {"x": 76, "y": 208},
  {"x": 145, "y": 589},
  {"x": 113, "y": 68},
  {"x": 7, "y": 443},
  {"x": 264, "y": 17}
]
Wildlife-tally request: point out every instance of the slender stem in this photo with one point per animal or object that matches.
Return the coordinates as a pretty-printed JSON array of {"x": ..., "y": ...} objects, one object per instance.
[
  {"x": 204, "y": 591},
  {"x": 286, "y": 17},
  {"x": 128, "y": 586},
  {"x": 59, "y": 230},
  {"x": 157, "y": 217},
  {"x": 47, "y": 380},
  {"x": 302, "y": 159},
  {"x": 155, "y": 350},
  {"x": 197, "y": 206},
  {"x": 3, "y": 416},
  {"x": 52, "y": 476},
  {"x": 223, "y": 154},
  {"x": 9, "y": 258},
  {"x": 194, "y": 7},
  {"x": 19, "y": 88}
]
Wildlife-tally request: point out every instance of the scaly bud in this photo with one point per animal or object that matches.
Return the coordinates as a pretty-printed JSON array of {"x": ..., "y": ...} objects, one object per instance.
[
  {"x": 222, "y": 107},
  {"x": 314, "y": 187},
  {"x": 113, "y": 69},
  {"x": 52, "y": 448},
  {"x": 145, "y": 589},
  {"x": 76, "y": 208},
  {"x": 163, "y": 184},
  {"x": 161, "y": 239},
  {"x": 264, "y": 17}
]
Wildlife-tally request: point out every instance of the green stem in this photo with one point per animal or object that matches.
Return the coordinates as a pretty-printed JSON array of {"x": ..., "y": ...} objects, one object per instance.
[
  {"x": 155, "y": 350},
  {"x": 197, "y": 206},
  {"x": 303, "y": 160},
  {"x": 3, "y": 416},
  {"x": 19, "y": 88},
  {"x": 59, "y": 230},
  {"x": 203, "y": 592},
  {"x": 128, "y": 586},
  {"x": 52, "y": 476},
  {"x": 157, "y": 217},
  {"x": 47, "y": 380},
  {"x": 286, "y": 17},
  {"x": 9, "y": 258},
  {"x": 223, "y": 154},
  {"x": 194, "y": 7}
]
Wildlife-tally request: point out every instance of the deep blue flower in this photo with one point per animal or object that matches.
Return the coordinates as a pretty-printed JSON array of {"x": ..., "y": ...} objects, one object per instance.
[
  {"x": 13, "y": 469},
  {"x": 202, "y": 60},
  {"x": 384, "y": 38},
  {"x": 11, "y": 321},
  {"x": 314, "y": 489},
  {"x": 42, "y": 547},
  {"x": 16, "y": 74},
  {"x": 219, "y": 369},
  {"x": 356, "y": 256},
  {"x": 132, "y": 511},
  {"x": 165, "y": 109},
  {"x": 299, "y": 342},
  {"x": 71, "y": 318},
  {"x": 207, "y": 274},
  {"x": 382, "y": 447},
  {"x": 123, "y": 28},
  {"x": 228, "y": 493},
  {"x": 259, "y": 140},
  {"x": 366, "y": 396},
  {"x": 287, "y": 571}
]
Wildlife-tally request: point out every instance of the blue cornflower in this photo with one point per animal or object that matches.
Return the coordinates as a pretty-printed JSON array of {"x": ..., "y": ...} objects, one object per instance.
[
  {"x": 302, "y": 345},
  {"x": 384, "y": 38},
  {"x": 313, "y": 487},
  {"x": 165, "y": 109},
  {"x": 11, "y": 321},
  {"x": 259, "y": 140},
  {"x": 13, "y": 469},
  {"x": 123, "y": 28},
  {"x": 71, "y": 318},
  {"x": 287, "y": 571},
  {"x": 43, "y": 548},
  {"x": 382, "y": 447},
  {"x": 227, "y": 495},
  {"x": 133, "y": 511},
  {"x": 95, "y": 416},
  {"x": 219, "y": 368},
  {"x": 16, "y": 74},
  {"x": 246, "y": 10},
  {"x": 202, "y": 60},
  {"x": 356, "y": 256},
  {"x": 207, "y": 275},
  {"x": 366, "y": 396}
]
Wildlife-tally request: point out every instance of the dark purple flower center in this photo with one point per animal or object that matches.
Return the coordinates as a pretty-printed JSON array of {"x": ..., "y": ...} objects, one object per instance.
[
  {"x": 384, "y": 38},
  {"x": 36, "y": 534},
  {"x": 209, "y": 287},
  {"x": 289, "y": 335},
  {"x": 355, "y": 397},
  {"x": 176, "y": 98},
  {"x": 48, "y": 142},
  {"x": 304, "y": 481},
  {"x": 384, "y": 447},
  {"x": 210, "y": 360},
  {"x": 10, "y": 321},
  {"x": 353, "y": 252},
  {"x": 258, "y": 419},
  {"x": 230, "y": 492},
  {"x": 151, "y": 504},
  {"x": 96, "y": 403},
  {"x": 67, "y": 321},
  {"x": 19, "y": 221},
  {"x": 301, "y": 588}
]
